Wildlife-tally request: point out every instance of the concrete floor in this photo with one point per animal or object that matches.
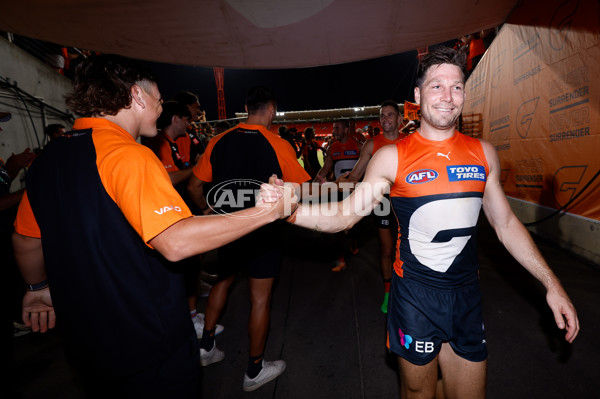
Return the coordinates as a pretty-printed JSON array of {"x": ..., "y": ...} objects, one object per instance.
[{"x": 328, "y": 328}]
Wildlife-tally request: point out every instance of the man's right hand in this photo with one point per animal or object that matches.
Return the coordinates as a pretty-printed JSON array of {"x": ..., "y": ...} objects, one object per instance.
[{"x": 282, "y": 197}]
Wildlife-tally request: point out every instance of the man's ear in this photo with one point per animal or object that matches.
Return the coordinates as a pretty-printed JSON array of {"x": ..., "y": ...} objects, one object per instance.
[
  {"x": 136, "y": 96},
  {"x": 417, "y": 95}
]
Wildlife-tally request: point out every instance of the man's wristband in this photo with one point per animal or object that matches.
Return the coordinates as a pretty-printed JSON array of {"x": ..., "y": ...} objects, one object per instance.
[{"x": 38, "y": 286}]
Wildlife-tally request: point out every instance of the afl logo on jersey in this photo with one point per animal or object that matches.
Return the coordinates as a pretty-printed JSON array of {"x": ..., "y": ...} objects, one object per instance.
[{"x": 422, "y": 176}]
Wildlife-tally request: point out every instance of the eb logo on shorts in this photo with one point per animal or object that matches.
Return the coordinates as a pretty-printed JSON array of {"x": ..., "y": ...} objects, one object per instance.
[{"x": 419, "y": 346}]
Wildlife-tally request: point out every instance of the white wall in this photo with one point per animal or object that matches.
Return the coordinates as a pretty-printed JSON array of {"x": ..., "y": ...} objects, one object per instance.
[
  {"x": 572, "y": 232},
  {"x": 26, "y": 127}
]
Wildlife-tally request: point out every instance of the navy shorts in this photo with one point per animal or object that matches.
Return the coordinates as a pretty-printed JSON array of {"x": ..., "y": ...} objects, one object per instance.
[
  {"x": 384, "y": 222},
  {"x": 421, "y": 318},
  {"x": 384, "y": 216},
  {"x": 258, "y": 253}
]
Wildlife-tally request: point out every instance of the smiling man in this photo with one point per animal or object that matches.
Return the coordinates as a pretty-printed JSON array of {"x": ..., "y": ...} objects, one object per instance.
[
  {"x": 390, "y": 120},
  {"x": 440, "y": 179}
]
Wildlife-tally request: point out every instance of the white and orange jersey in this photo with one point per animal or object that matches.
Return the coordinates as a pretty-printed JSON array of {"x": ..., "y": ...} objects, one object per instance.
[
  {"x": 344, "y": 156},
  {"x": 380, "y": 141},
  {"x": 437, "y": 196}
]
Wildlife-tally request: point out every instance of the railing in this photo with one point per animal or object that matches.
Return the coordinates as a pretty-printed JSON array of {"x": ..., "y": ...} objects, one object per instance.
[{"x": 56, "y": 56}]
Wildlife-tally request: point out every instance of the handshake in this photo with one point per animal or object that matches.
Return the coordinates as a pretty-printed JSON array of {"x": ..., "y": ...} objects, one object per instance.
[{"x": 278, "y": 197}]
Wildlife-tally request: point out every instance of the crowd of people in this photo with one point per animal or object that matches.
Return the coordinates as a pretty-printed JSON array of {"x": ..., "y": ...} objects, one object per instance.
[{"x": 127, "y": 251}]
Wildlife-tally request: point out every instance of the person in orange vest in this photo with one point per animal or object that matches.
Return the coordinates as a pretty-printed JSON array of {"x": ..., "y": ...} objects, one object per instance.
[{"x": 476, "y": 51}]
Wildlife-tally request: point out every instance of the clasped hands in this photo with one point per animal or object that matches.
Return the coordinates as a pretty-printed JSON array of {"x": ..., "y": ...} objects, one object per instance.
[{"x": 280, "y": 196}]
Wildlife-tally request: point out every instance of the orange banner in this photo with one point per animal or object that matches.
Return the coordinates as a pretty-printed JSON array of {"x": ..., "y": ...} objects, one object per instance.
[{"x": 411, "y": 111}]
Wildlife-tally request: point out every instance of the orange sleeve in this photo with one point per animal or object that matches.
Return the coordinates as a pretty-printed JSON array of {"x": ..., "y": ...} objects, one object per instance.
[
  {"x": 141, "y": 187},
  {"x": 291, "y": 169},
  {"x": 25, "y": 223},
  {"x": 203, "y": 169},
  {"x": 166, "y": 156}
]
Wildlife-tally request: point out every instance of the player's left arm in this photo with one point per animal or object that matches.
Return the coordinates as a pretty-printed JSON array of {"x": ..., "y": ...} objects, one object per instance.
[{"x": 517, "y": 240}]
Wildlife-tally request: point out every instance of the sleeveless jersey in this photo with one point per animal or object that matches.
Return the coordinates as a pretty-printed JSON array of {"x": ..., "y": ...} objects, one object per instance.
[
  {"x": 344, "y": 156},
  {"x": 437, "y": 196},
  {"x": 380, "y": 140}
]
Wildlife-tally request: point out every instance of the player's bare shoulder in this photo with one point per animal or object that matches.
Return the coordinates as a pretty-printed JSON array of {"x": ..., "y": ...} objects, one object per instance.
[
  {"x": 384, "y": 164},
  {"x": 490, "y": 152}
]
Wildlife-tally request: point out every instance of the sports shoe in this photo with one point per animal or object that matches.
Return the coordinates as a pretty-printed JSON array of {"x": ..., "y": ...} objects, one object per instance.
[
  {"x": 340, "y": 265},
  {"x": 384, "y": 305},
  {"x": 215, "y": 355},
  {"x": 270, "y": 371},
  {"x": 198, "y": 321}
]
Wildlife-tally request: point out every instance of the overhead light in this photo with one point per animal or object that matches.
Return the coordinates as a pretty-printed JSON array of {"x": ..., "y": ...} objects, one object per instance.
[{"x": 280, "y": 113}]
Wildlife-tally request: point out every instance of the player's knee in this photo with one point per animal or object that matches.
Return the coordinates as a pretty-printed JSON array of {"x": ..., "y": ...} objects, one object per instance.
[
  {"x": 260, "y": 301},
  {"x": 418, "y": 389}
]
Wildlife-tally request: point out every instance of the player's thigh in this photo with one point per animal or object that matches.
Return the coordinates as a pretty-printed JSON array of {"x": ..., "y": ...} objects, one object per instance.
[
  {"x": 418, "y": 381},
  {"x": 461, "y": 378}
]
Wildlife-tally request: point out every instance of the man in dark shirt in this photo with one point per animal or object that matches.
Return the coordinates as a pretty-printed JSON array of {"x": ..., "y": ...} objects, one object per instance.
[{"x": 234, "y": 162}]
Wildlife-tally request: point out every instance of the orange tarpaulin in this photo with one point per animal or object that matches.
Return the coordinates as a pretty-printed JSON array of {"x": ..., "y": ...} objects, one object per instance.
[{"x": 535, "y": 97}]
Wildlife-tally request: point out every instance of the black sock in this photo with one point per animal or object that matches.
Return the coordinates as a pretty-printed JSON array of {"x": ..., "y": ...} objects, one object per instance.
[
  {"x": 208, "y": 339},
  {"x": 254, "y": 365}
]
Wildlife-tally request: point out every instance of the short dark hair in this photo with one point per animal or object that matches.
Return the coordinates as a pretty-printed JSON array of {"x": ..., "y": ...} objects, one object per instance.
[
  {"x": 102, "y": 84},
  {"x": 309, "y": 132},
  {"x": 52, "y": 130},
  {"x": 440, "y": 55},
  {"x": 258, "y": 97},
  {"x": 186, "y": 98},
  {"x": 391, "y": 103},
  {"x": 170, "y": 109},
  {"x": 343, "y": 121}
]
